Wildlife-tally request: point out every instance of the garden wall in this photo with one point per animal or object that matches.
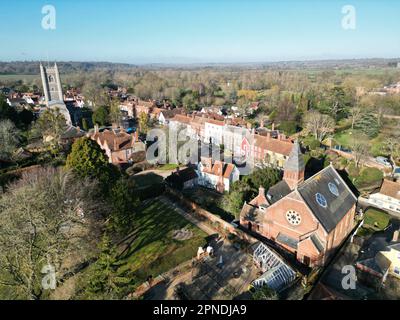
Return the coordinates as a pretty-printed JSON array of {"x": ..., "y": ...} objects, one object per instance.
[{"x": 198, "y": 212}]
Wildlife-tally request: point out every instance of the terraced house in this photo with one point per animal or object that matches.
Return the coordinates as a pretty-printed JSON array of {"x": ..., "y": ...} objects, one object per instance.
[{"x": 309, "y": 218}]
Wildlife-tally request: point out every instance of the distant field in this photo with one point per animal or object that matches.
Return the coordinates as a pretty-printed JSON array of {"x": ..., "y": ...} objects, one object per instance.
[{"x": 15, "y": 77}]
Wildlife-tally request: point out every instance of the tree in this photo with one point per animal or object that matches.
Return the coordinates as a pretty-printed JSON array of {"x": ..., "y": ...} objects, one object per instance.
[
  {"x": 50, "y": 126},
  {"x": 355, "y": 114},
  {"x": 100, "y": 115},
  {"x": 85, "y": 125},
  {"x": 143, "y": 122},
  {"x": 233, "y": 202},
  {"x": 360, "y": 150},
  {"x": 264, "y": 293},
  {"x": 369, "y": 124},
  {"x": 46, "y": 217},
  {"x": 189, "y": 102},
  {"x": 88, "y": 160},
  {"x": 104, "y": 280},
  {"x": 6, "y": 111},
  {"x": 320, "y": 125},
  {"x": 124, "y": 201},
  {"x": 25, "y": 118},
  {"x": 115, "y": 113},
  {"x": 9, "y": 139}
]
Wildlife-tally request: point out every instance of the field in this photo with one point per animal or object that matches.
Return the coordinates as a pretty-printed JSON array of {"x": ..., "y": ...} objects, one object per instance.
[
  {"x": 153, "y": 250},
  {"x": 16, "y": 77}
]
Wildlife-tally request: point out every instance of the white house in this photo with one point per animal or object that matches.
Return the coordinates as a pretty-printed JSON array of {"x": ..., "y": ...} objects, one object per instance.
[
  {"x": 388, "y": 197},
  {"x": 218, "y": 175},
  {"x": 214, "y": 131}
]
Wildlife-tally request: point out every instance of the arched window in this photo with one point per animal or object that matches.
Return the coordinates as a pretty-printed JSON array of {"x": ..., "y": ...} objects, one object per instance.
[{"x": 51, "y": 78}]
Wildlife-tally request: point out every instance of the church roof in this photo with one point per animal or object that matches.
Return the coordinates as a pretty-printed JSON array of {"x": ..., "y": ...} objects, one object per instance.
[
  {"x": 278, "y": 191},
  {"x": 328, "y": 197},
  {"x": 295, "y": 161}
]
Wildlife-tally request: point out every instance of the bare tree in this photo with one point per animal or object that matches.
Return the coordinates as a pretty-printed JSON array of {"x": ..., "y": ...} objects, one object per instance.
[
  {"x": 360, "y": 151},
  {"x": 9, "y": 139},
  {"x": 356, "y": 114},
  {"x": 47, "y": 218},
  {"x": 320, "y": 125}
]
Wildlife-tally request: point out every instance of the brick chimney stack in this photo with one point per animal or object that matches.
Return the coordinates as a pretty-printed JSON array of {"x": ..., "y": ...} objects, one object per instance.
[
  {"x": 396, "y": 236},
  {"x": 273, "y": 126}
]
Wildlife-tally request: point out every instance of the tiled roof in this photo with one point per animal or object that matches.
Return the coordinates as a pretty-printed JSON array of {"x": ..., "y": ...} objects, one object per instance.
[
  {"x": 220, "y": 168},
  {"x": 115, "y": 141},
  {"x": 283, "y": 147},
  {"x": 390, "y": 189}
]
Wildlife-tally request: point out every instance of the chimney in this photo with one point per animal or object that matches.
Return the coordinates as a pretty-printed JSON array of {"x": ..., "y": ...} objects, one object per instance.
[
  {"x": 273, "y": 126},
  {"x": 261, "y": 191},
  {"x": 396, "y": 236},
  {"x": 262, "y": 124},
  {"x": 96, "y": 128},
  {"x": 136, "y": 136}
]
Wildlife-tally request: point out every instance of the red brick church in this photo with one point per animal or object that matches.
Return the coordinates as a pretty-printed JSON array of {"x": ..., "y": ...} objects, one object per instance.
[{"x": 309, "y": 218}]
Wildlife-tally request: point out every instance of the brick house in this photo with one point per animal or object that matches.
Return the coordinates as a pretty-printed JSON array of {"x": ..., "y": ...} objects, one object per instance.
[
  {"x": 309, "y": 218},
  {"x": 118, "y": 145}
]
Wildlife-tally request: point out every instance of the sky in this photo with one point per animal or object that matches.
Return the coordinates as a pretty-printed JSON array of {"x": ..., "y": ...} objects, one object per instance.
[{"x": 198, "y": 31}]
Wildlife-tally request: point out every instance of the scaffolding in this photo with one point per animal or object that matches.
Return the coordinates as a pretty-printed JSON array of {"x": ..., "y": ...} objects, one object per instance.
[{"x": 277, "y": 274}]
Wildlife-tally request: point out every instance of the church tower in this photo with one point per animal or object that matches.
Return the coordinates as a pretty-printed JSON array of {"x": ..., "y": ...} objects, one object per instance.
[
  {"x": 294, "y": 167},
  {"x": 52, "y": 90}
]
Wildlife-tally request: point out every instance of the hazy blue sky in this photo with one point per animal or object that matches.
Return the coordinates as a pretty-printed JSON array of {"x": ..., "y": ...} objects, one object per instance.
[{"x": 145, "y": 31}]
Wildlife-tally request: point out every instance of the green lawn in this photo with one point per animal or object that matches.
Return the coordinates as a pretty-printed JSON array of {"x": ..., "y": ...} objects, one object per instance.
[
  {"x": 368, "y": 177},
  {"x": 376, "y": 219},
  {"x": 144, "y": 180},
  {"x": 154, "y": 250},
  {"x": 168, "y": 166}
]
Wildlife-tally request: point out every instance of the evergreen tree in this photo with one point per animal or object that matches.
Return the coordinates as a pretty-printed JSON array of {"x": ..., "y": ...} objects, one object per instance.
[
  {"x": 124, "y": 202},
  {"x": 104, "y": 280},
  {"x": 87, "y": 159}
]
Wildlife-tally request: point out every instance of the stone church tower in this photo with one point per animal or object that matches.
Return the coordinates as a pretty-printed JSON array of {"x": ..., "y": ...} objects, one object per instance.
[
  {"x": 294, "y": 167},
  {"x": 53, "y": 90}
]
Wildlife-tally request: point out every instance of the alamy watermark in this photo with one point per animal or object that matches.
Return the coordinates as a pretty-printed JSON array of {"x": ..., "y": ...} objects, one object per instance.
[
  {"x": 49, "y": 279},
  {"x": 350, "y": 279},
  {"x": 181, "y": 146},
  {"x": 49, "y": 18},
  {"x": 349, "y": 20}
]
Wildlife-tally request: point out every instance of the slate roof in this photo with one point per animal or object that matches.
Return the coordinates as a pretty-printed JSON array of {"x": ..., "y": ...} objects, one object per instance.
[
  {"x": 278, "y": 191},
  {"x": 282, "y": 238},
  {"x": 337, "y": 206},
  {"x": 178, "y": 178},
  {"x": 295, "y": 162}
]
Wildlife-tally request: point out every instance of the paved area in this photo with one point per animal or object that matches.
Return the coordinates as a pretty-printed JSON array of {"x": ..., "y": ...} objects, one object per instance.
[{"x": 207, "y": 280}]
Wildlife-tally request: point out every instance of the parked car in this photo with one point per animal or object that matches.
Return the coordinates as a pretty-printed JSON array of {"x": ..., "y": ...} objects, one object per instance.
[
  {"x": 383, "y": 161},
  {"x": 396, "y": 172}
]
